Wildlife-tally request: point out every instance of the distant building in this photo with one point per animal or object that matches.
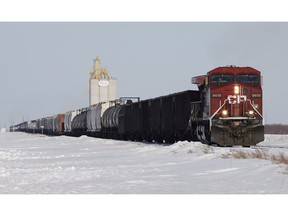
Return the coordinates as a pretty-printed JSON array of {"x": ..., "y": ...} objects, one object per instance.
[{"x": 102, "y": 87}]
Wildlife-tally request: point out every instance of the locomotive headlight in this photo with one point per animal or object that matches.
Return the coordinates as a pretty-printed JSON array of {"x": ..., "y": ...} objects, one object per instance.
[
  {"x": 250, "y": 113},
  {"x": 224, "y": 113},
  {"x": 236, "y": 90}
]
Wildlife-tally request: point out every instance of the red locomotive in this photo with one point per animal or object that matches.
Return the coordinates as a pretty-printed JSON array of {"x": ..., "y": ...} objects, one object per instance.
[{"x": 230, "y": 110}]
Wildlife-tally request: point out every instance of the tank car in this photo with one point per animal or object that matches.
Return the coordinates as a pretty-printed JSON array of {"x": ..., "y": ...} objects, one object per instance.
[
  {"x": 79, "y": 123},
  {"x": 110, "y": 122},
  {"x": 230, "y": 111}
]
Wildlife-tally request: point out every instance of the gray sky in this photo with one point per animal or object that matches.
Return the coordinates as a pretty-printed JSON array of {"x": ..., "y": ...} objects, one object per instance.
[{"x": 44, "y": 67}]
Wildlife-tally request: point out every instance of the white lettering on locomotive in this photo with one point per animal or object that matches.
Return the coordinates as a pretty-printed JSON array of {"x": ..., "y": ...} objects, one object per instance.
[{"x": 236, "y": 99}]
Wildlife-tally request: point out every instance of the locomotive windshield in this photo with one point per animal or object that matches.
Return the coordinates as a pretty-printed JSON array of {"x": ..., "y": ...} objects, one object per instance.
[
  {"x": 222, "y": 78},
  {"x": 247, "y": 78}
]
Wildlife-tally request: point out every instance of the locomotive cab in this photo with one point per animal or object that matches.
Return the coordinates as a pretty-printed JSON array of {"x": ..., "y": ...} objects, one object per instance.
[{"x": 231, "y": 107}]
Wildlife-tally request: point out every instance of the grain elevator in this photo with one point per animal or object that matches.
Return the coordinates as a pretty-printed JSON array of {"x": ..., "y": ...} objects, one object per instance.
[{"x": 102, "y": 87}]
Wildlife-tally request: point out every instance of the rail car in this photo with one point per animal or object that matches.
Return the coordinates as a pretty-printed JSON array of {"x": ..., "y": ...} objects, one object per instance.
[{"x": 225, "y": 110}]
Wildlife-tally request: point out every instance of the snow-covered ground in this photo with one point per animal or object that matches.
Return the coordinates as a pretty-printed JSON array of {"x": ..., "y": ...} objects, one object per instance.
[{"x": 35, "y": 164}]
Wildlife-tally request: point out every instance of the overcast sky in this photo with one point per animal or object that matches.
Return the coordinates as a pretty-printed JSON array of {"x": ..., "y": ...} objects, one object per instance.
[{"x": 45, "y": 67}]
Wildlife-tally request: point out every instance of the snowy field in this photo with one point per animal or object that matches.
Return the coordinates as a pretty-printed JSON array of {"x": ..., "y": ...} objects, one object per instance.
[
  {"x": 35, "y": 164},
  {"x": 32, "y": 164}
]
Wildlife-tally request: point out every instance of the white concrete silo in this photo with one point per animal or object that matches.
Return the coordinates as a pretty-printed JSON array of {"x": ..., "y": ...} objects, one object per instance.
[{"x": 102, "y": 87}]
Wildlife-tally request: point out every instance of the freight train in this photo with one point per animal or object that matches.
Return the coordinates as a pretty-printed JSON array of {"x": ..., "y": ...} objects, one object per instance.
[{"x": 225, "y": 110}]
